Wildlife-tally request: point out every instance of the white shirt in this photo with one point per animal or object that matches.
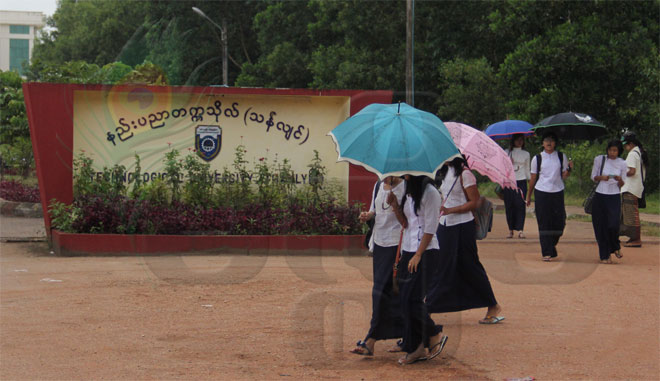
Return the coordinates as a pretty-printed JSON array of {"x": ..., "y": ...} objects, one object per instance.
[
  {"x": 425, "y": 222},
  {"x": 456, "y": 197},
  {"x": 520, "y": 159},
  {"x": 634, "y": 183},
  {"x": 387, "y": 229},
  {"x": 615, "y": 167},
  {"x": 549, "y": 180}
]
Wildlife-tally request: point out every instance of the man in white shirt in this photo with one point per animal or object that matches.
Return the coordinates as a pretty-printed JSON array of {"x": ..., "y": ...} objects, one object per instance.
[
  {"x": 547, "y": 181},
  {"x": 633, "y": 189}
]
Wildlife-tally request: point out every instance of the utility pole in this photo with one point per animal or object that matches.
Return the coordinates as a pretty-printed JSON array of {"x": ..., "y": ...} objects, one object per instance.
[
  {"x": 410, "y": 51},
  {"x": 223, "y": 41}
]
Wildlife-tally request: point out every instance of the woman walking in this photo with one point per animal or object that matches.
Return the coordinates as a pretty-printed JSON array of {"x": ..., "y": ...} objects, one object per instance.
[
  {"x": 548, "y": 171},
  {"x": 514, "y": 201},
  {"x": 632, "y": 190},
  {"x": 609, "y": 171},
  {"x": 461, "y": 282},
  {"x": 386, "y": 317},
  {"x": 419, "y": 212}
]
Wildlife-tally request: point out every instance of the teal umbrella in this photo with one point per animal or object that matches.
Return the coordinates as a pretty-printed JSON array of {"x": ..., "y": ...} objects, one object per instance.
[{"x": 394, "y": 140}]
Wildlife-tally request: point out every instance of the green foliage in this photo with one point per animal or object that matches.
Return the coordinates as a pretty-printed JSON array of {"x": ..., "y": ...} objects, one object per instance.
[
  {"x": 174, "y": 169},
  {"x": 109, "y": 183},
  {"x": 13, "y": 120},
  {"x": 579, "y": 182},
  {"x": 94, "y": 31},
  {"x": 18, "y": 155},
  {"x": 62, "y": 216},
  {"x": 316, "y": 174},
  {"x": 199, "y": 185},
  {"x": 145, "y": 74},
  {"x": 475, "y": 61},
  {"x": 470, "y": 92}
]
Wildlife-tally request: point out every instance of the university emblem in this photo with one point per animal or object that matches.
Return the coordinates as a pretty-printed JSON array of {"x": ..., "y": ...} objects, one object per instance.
[{"x": 208, "y": 141}]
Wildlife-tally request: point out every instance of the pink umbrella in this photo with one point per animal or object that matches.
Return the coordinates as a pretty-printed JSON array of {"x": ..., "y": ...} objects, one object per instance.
[{"x": 483, "y": 154}]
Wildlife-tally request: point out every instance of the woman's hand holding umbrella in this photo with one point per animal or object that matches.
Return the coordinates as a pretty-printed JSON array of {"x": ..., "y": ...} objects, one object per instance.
[{"x": 394, "y": 203}]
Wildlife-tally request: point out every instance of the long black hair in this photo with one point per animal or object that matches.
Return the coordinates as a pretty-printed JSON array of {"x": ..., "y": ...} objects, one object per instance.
[
  {"x": 415, "y": 187},
  {"x": 459, "y": 163}
]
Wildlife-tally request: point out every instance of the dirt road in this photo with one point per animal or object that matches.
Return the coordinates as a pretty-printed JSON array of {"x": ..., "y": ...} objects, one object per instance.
[{"x": 290, "y": 318}]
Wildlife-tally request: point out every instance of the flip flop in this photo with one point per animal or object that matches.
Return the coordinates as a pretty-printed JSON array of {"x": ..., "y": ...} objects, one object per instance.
[
  {"x": 618, "y": 254},
  {"x": 440, "y": 345},
  {"x": 360, "y": 349},
  {"x": 491, "y": 320},
  {"x": 406, "y": 360},
  {"x": 521, "y": 235}
]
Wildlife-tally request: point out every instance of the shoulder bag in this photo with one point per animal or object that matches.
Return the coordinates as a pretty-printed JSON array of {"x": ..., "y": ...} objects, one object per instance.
[{"x": 588, "y": 202}]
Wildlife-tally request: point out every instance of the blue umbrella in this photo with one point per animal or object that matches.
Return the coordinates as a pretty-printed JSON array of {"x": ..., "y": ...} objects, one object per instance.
[
  {"x": 507, "y": 128},
  {"x": 394, "y": 140}
]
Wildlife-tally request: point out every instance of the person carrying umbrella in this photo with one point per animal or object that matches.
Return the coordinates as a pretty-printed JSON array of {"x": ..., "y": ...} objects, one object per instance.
[
  {"x": 548, "y": 171},
  {"x": 633, "y": 189},
  {"x": 400, "y": 140},
  {"x": 461, "y": 282},
  {"x": 419, "y": 212},
  {"x": 386, "y": 319}
]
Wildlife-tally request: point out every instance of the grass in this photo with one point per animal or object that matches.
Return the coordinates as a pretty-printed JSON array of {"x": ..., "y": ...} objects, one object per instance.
[{"x": 29, "y": 181}]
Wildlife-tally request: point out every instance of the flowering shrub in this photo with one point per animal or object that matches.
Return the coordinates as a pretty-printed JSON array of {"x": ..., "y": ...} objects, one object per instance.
[
  {"x": 272, "y": 206},
  {"x": 15, "y": 191},
  {"x": 128, "y": 216}
]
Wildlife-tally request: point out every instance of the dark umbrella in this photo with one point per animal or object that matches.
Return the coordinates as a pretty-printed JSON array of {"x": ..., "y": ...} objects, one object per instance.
[{"x": 572, "y": 126}]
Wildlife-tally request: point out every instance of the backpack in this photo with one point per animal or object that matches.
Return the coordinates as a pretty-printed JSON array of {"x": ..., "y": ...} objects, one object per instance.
[
  {"x": 483, "y": 215},
  {"x": 538, "y": 162}
]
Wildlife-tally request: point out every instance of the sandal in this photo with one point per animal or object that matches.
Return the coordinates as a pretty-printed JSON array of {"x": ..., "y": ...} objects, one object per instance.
[
  {"x": 491, "y": 319},
  {"x": 510, "y": 234},
  {"x": 521, "y": 235},
  {"x": 437, "y": 348},
  {"x": 410, "y": 358},
  {"x": 362, "y": 349},
  {"x": 618, "y": 253}
]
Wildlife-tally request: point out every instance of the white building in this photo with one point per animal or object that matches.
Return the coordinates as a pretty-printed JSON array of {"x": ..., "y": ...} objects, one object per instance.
[{"x": 18, "y": 31}]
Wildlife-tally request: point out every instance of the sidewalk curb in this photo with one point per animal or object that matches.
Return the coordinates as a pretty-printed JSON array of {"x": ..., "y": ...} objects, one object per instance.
[{"x": 21, "y": 209}]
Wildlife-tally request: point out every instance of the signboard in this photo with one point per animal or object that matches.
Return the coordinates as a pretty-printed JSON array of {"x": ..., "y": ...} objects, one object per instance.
[
  {"x": 113, "y": 123},
  {"x": 112, "y": 127}
]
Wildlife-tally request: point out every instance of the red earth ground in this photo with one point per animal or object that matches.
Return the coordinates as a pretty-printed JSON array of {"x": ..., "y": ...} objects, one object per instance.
[{"x": 290, "y": 318}]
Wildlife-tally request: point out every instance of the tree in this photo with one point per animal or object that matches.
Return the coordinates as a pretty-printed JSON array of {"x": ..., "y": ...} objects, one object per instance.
[
  {"x": 94, "y": 31},
  {"x": 13, "y": 120},
  {"x": 469, "y": 92}
]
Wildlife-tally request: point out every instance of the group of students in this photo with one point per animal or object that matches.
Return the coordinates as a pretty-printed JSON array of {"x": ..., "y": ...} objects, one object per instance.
[
  {"x": 619, "y": 186},
  {"x": 438, "y": 269}
]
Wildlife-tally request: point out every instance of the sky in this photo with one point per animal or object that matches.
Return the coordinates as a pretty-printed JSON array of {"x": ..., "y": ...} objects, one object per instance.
[{"x": 45, "y": 6}]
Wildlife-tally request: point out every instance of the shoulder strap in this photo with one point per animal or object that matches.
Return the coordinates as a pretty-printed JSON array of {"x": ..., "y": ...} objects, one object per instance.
[
  {"x": 641, "y": 166},
  {"x": 561, "y": 161},
  {"x": 376, "y": 189},
  {"x": 602, "y": 164},
  {"x": 538, "y": 163},
  {"x": 467, "y": 199}
]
